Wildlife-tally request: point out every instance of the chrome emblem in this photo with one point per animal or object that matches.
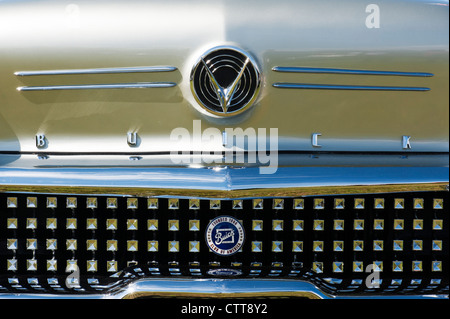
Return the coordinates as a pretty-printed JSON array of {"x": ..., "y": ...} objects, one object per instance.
[
  {"x": 225, "y": 81},
  {"x": 225, "y": 235}
]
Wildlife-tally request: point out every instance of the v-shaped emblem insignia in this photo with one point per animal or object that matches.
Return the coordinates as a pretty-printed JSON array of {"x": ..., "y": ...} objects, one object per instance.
[{"x": 225, "y": 95}]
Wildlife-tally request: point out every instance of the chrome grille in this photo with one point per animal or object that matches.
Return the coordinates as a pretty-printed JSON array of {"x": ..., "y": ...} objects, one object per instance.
[{"x": 327, "y": 240}]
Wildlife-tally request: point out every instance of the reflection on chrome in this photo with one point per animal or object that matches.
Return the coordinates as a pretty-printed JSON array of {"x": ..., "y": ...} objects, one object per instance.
[
  {"x": 308, "y": 86},
  {"x": 348, "y": 71},
  {"x": 142, "y": 69},
  {"x": 141, "y": 85},
  {"x": 225, "y": 183},
  {"x": 215, "y": 288}
]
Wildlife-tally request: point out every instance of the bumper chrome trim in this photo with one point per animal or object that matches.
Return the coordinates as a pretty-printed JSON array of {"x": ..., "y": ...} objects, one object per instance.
[
  {"x": 225, "y": 183},
  {"x": 217, "y": 289},
  {"x": 220, "y": 288}
]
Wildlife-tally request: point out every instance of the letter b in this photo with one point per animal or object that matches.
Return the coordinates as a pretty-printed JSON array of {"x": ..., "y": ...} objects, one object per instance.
[{"x": 40, "y": 141}]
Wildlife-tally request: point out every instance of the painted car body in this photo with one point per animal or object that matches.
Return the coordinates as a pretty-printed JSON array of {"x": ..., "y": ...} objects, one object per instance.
[{"x": 93, "y": 91}]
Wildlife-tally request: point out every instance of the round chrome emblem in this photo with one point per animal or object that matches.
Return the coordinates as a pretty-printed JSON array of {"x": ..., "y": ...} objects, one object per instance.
[
  {"x": 225, "y": 235},
  {"x": 225, "y": 81}
]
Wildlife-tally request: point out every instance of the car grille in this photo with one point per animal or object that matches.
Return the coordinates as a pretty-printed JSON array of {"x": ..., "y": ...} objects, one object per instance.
[{"x": 394, "y": 243}]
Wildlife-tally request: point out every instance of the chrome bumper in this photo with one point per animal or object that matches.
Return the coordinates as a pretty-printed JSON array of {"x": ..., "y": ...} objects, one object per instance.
[
  {"x": 218, "y": 289},
  {"x": 299, "y": 175}
]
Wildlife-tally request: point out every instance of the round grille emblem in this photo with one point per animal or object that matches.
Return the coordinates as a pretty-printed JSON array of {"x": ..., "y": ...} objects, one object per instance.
[
  {"x": 225, "y": 235},
  {"x": 225, "y": 81}
]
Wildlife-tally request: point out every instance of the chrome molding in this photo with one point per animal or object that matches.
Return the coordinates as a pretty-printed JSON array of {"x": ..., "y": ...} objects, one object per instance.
[
  {"x": 306, "y": 86},
  {"x": 217, "y": 288},
  {"x": 142, "y": 69},
  {"x": 234, "y": 288},
  {"x": 348, "y": 71},
  {"x": 141, "y": 85},
  {"x": 220, "y": 288},
  {"x": 223, "y": 183}
]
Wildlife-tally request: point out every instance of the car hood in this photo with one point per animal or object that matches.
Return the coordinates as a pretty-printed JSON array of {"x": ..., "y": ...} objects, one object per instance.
[{"x": 329, "y": 36}]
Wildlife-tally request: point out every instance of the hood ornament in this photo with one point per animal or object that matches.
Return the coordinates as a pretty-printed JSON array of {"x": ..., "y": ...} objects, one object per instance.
[{"x": 225, "y": 81}]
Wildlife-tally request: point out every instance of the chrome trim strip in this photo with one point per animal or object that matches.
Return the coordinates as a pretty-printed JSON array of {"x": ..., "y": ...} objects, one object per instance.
[
  {"x": 220, "y": 288},
  {"x": 217, "y": 288},
  {"x": 225, "y": 183},
  {"x": 347, "y": 87},
  {"x": 141, "y": 85},
  {"x": 348, "y": 71},
  {"x": 142, "y": 69}
]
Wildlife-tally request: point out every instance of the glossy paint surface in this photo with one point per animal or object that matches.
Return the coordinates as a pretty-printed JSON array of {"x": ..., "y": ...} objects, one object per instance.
[{"x": 78, "y": 35}]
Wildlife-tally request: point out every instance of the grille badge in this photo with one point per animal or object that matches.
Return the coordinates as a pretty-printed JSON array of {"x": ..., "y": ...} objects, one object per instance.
[
  {"x": 225, "y": 81},
  {"x": 225, "y": 235}
]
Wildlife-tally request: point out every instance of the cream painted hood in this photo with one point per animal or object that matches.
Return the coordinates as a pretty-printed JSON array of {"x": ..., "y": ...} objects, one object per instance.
[{"x": 326, "y": 35}]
